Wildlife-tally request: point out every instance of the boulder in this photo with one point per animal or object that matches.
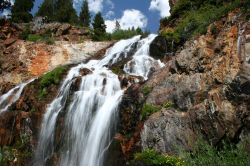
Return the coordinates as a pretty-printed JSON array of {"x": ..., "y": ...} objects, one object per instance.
[{"x": 158, "y": 48}]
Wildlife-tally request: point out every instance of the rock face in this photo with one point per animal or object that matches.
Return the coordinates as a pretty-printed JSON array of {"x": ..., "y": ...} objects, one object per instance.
[
  {"x": 208, "y": 82},
  {"x": 23, "y": 60}
]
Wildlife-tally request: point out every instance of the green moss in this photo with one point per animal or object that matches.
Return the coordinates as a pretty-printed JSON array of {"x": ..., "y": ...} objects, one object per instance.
[
  {"x": 151, "y": 158},
  {"x": 149, "y": 109},
  {"x": 117, "y": 70},
  {"x": 54, "y": 77},
  {"x": 146, "y": 90}
]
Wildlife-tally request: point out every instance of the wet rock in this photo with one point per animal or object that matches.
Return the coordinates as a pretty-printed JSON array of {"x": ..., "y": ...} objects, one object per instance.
[
  {"x": 85, "y": 71},
  {"x": 158, "y": 48}
]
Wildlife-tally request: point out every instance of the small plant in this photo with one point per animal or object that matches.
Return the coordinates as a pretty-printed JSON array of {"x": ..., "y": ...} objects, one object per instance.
[
  {"x": 34, "y": 38},
  {"x": 151, "y": 158},
  {"x": 206, "y": 154},
  {"x": 149, "y": 109},
  {"x": 53, "y": 77},
  {"x": 168, "y": 105},
  {"x": 146, "y": 90}
]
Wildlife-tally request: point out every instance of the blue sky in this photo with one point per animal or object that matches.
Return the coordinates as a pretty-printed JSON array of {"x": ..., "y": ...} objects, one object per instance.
[{"x": 139, "y": 13}]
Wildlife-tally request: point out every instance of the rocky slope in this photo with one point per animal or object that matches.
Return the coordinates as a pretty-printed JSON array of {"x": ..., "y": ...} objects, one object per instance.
[
  {"x": 21, "y": 60},
  {"x": 206, "y": 89}
]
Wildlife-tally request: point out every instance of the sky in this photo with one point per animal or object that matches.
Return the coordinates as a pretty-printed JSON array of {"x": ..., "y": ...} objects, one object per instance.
[{"x": 145, "y": 14}]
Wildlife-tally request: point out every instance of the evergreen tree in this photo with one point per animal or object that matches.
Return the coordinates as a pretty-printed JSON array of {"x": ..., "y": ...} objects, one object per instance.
[
  {"x": 4, "y": 4},
  {"x": 117, "y": 26},
  {"x": 21, "y": 10},
  {"x": 65, "y": 12},
  {"x": 99, "y": 27},
  {"x": 47, "y": 9},
  {"x": 85, "y": 14}
]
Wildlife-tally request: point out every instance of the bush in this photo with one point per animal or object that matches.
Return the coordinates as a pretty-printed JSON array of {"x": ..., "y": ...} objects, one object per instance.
[
  {"x": 194, "y": 17},
  {"x": 24, "y": 35},
  {"x": 151, "y": 158},
  {"x": 149, "y": 109},
  {"x": 206, "y": 154},
  {"x": 53, "y": 77},
  {"x": 146, "y": 90}
]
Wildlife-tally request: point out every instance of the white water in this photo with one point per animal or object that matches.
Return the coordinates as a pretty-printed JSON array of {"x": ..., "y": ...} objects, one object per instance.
[
  {"x": 12, "y": 96},
  {"x": 91, "y": 114},
  {"x": 142, "y": 63}
]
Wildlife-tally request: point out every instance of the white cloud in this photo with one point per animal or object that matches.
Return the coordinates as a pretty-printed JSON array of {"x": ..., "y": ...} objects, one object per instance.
[
  {"x": 109, "y": 14},
  {"x": 130, "y": 18},
  {"x": 160, "y": 5},
  {"x": 95, "y": 5}
]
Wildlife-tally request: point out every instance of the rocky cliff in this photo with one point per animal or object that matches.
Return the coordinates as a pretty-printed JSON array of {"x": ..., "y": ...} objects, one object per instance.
[{"x": 206, "y": 87}]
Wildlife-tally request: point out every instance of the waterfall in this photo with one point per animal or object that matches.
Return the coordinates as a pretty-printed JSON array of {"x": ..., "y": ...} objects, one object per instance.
[
  {"x": 6, "y": 100},
  {"x": 91, "y": 111}
]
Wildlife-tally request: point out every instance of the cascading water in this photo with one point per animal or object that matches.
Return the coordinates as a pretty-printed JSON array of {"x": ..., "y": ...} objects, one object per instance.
[
  {"x": 91, "y": 114},
  {"x": 12, "y": 96}
]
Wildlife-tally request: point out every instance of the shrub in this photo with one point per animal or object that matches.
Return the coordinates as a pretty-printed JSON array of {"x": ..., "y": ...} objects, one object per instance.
[
  {"x": 146, "y": 90},
  {"x": 151, "y": 158},
  {"x": 149, "y": 109},
  {"x": 168, "y": 105},
  {"x": 34, "y": 38},
  {"x": 53, "y": 77},
  {"x": 24, "y": 35},
  {"x": 206, "y": 154}
]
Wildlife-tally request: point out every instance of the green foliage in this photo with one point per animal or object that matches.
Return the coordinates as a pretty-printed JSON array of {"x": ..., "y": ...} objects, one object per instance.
[
  {"x": 53, "y": 77},
  {"x": 146, "y": 90},
  {"x": 149, "y": 109},
  {"x": 58, "y": 10},
  {"x": 229, "y": 155},
  {"x": 65, "y": 12},
  {"x": 125, "y": 34},
  {"x": 47, "y": 9},
  {"x": 194, "y": 17},
  {"x": 24, "y": 35},
  {"x": 85, "y": 14},
  {"x": 99, "y": 28},
  {"x": 168, "y": 105},
  {"x": 21, "y": 11},
  {"x": 1, "y": 157},
  {"x": 151, "y": 158},
  {"x": 34, "y": 37}
]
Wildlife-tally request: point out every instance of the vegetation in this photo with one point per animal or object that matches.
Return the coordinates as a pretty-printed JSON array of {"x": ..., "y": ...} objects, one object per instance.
[
  {"x": 194, "y": 17},
  {"x": 85, "y": 14},
  {"x": 60, "y": 10},
  {"x": 228, "y": 155},
  {"x": 1, "y": 157},
  {"x": 146, "y": 90},
  {"x": 119, "y": 34},
  {"x": 4, "y": 4},
  {"x": 47, "y": 9},
  {"x": 27, "y": 35},
  {"x": 21, "y": 11},
  {"x": 149, "y": 109},
  {"x": 99, "y": 28},
  {"x": 53, "y": 77},
  {"x": 168, "y": 105},
  {"x": 151, "y": 158}
]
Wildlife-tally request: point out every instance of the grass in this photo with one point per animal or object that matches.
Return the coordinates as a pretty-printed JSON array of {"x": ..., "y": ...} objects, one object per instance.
[
  {"x": 194, "y": 17},
  {"x": 149, "y": 109},
  {"x": 40, "y": 38},
  {"x": 151, "y": 158},
  {"x": 146, "y": 90},
  {"x": 228, "y": 155},
  {"x": 53, "y": 77}
]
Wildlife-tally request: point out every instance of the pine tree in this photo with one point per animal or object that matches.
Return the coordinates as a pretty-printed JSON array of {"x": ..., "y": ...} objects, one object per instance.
[
  {"x": 99, "y": 27},
  {"x": 4, "y": 4},
  {"x": 47, "y": 9},
  {"x": 65, "y": 12},
  {"x": 85, "y": 14},
  {"x": 117, "y": 26},
  {"x": 21, "y": 10}
]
